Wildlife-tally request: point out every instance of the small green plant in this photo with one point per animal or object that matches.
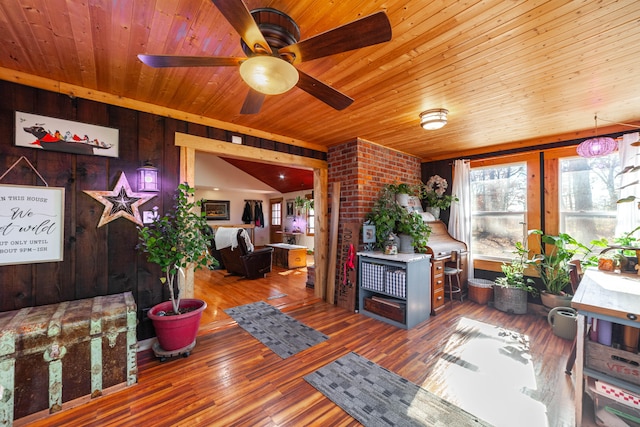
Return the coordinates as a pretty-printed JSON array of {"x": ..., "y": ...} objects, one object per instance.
[
  {"x": 303, "y": 203},
  {"x": 412, "y": 224},
  {"x": 404, "y": 188},
  {"x": 514, "y": 271},
  {"x": 389, "y": 217},
  {"x": 176, "y": 241}
]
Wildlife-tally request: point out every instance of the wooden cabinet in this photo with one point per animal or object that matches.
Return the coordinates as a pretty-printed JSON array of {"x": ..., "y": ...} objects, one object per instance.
[
  {"x": 613, "y": 297},
  {"x": 437, "y": 286},
  {"x": 395, "y": 288}
]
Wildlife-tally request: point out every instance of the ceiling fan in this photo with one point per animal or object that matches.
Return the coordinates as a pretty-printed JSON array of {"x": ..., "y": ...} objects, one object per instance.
[{"x": 270, "y": 39}]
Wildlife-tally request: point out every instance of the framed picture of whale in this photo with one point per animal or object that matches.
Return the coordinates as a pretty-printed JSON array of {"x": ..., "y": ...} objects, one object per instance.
[{"x": 51, "y": 134}]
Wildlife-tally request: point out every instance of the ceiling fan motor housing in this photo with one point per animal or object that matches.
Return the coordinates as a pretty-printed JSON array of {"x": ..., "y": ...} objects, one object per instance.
[{"x": 278, "y": 29}]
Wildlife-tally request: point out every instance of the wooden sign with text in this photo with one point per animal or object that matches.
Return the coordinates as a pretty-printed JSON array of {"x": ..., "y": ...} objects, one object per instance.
[
  {"x": 347, "y": 285},
  {"x": 31, "y": 224}
]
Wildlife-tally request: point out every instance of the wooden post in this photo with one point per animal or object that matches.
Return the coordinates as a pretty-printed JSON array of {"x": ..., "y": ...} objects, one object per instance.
[{"x": 333, "y": 243}]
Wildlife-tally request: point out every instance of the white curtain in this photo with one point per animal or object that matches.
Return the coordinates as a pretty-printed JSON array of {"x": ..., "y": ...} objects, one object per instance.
[
  {"x": 628, "y": 213},
  {"x": 460, "y": 215}
]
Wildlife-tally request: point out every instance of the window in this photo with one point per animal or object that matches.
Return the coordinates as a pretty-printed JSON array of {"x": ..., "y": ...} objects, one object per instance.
[
  {"x": 499, "y": 209},
  {"x": 276, "y": 213},
  {"x": 589, "y": 190},
  {"x": 310, "y": 222}
]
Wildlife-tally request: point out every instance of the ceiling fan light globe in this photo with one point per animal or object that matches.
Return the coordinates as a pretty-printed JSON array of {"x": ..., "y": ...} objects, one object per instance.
[{"x": 269, "y": 75}]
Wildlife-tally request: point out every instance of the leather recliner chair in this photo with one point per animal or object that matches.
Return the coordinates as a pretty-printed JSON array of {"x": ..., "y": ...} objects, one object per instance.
[{"x": 241, "y": 262}]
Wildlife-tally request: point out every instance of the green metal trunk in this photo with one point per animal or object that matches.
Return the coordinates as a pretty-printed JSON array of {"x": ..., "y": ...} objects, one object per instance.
[{"x": 55, "y": 356}]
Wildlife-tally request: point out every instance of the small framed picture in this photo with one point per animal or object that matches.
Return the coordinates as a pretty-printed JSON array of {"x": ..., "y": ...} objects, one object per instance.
[
  {"x": 216, "y": 210},
  {"x": 368, "y": 233},
  {"x": 290, "y": 208}
]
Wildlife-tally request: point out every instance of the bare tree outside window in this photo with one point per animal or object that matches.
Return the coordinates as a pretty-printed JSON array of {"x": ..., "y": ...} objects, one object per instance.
[
  {"x": 499, "y": 208},
  {"x": 589, "y": 190}
]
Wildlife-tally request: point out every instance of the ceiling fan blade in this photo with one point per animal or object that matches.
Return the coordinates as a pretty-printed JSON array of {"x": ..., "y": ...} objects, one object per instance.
[
  {"x": 253, "y": 102},
  {"x": 239, "y": 16},
  {"x": 162, "y": 61},
  {"x": 367, "y": 31},
  {"x": 323, "y": 92}
]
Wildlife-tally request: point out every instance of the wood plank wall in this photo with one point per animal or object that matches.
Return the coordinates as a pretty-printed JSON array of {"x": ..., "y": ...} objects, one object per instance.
[{"x": 97, "y": 261}]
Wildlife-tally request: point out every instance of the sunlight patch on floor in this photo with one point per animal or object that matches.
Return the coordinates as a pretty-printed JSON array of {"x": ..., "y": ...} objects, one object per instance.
[
  {"x": 487, "y": 371},
  {"x": 291, "y": 272}
]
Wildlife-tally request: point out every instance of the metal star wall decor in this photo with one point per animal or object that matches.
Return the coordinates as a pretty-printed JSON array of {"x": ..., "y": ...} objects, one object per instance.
[{"x": 121, "y": 202}]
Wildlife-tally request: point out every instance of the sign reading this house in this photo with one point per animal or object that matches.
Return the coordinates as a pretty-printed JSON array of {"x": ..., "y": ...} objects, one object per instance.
[{"x": 31, "y": 224}]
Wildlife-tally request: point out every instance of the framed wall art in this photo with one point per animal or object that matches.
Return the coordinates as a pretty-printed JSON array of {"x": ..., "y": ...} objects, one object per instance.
[
  {"x": 31, "y": 224},
  {"x": 50, "y": 134},
  {"x": 216, "y": 210},
  {"x": 368, "y": 233}
]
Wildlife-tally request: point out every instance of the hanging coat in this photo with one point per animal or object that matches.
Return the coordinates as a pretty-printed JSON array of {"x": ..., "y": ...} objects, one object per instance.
[
  {"x": 259, "y": 216},
  {"x": 246, "y": 214}
]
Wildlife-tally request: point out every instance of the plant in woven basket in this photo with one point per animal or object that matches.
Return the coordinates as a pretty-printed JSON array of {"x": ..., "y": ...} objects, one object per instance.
[{"x": 514, "y": 271}]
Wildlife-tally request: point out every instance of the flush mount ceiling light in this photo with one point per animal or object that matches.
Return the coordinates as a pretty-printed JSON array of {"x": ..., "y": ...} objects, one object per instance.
[
  {"x": 433, "y": 119},
  {"x": 597, "y": 146},
  {"x": 269, "y": 75}
]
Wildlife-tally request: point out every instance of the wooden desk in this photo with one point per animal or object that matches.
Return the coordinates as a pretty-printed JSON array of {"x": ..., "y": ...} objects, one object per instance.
[
  {"x": 610, "y": 296},
  {"x": 289, "y": 237}
]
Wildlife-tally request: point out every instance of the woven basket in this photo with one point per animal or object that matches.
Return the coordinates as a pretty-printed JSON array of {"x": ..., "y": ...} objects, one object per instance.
[
  {"x": 510, "y": 300},
  {"x": 480, "y": 290}
]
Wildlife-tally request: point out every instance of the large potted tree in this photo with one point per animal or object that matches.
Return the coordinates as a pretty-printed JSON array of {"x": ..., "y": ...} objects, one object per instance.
[{"x": 175, "y": 242}]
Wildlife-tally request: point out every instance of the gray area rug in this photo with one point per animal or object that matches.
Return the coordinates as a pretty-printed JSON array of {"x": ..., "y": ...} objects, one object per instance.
[
  {"x": 283, "y": 334},
  {"x": 376, "y": 396}
]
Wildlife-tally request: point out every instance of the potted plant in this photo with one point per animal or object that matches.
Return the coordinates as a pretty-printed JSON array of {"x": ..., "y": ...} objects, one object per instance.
[
  {"x": 628, "y": 250},
  {"x": 403, "y": 191},
  {"x": 413, "y": 232},
  {"x": 174, "y": 242},
  {"x": 510, "y": 291},
  {"x": 302, "y": 204},
  {"x": 433, "y": 194},
  {"x": 552, "y": 265},
  {"x": 389, "y": 217}
]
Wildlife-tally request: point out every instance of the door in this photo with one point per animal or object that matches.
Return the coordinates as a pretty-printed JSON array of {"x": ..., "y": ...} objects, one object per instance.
[{"x": 275, "y": 220}]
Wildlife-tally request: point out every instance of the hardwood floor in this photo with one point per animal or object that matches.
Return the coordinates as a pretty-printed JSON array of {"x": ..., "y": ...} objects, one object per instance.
[{"x": 230, "y": 379}]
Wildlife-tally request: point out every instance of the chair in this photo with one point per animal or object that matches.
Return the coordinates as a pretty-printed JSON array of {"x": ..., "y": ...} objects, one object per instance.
[
  {"x": 209, "y": 234},
  {"x": 449, "y": 273},
  {"x": 243, "y": 262}
]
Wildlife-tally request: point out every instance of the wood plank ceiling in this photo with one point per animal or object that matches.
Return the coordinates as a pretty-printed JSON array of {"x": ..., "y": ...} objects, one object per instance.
[{"x": 511, "y": 73}]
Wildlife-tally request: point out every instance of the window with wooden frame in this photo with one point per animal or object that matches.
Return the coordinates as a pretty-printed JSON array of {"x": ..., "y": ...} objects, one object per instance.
[
  {"x": 581, "y": 194},
  {"x": 506, "y": 201},
  {"x": 311, "y": 216},
  {"x": 276, "y": 213}
]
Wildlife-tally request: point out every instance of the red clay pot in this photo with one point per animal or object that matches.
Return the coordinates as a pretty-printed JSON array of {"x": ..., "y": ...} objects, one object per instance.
[{"x": 177, "y": 331}]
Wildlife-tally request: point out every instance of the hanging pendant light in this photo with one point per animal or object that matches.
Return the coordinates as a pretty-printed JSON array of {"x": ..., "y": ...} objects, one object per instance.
[{"x": 597, "y": 146}]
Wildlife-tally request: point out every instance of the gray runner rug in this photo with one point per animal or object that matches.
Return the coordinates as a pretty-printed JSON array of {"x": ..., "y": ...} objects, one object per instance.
[
  {"x": 376, "y": 396},
  {"x": 283, "y": 334}
]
